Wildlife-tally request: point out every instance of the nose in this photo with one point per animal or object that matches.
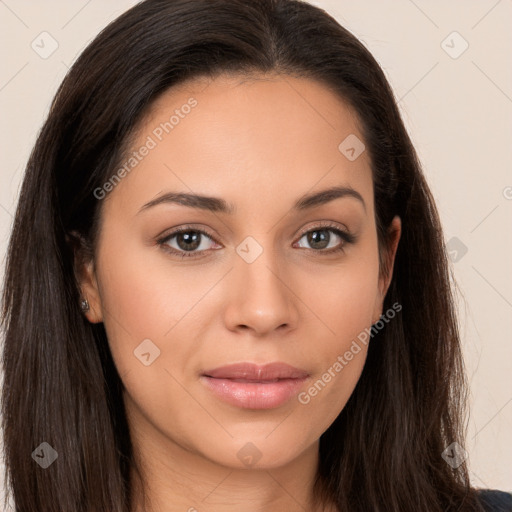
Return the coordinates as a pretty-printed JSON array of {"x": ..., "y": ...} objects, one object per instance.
[{"x": 261, "y": 297}]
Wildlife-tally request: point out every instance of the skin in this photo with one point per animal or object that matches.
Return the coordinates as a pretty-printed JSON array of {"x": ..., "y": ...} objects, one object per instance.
[{"x": 259, "y": 144}]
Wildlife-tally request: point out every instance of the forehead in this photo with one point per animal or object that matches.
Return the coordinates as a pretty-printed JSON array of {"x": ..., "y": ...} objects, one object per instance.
[{"x": 237, "y": 137}]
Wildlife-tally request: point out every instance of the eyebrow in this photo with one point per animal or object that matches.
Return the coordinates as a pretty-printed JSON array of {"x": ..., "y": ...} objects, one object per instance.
[{"x": 218, "y": 205}]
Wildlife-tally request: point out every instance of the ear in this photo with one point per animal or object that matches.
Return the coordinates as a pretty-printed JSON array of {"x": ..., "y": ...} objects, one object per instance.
[
  {"x": 394, "y": 233},
  {"x": 85, "y": 275}
]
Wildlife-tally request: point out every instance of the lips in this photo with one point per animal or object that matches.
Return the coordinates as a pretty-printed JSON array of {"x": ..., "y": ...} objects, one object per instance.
[
  {"x": 250, "y": 371},
  {"x": 252, "y": 386}
]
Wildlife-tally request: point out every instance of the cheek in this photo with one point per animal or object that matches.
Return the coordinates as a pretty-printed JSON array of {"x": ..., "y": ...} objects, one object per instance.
[
  {"x": 143, "y": 298},
  {"x": 346, "y": 306},
  {"x": 340, "y": 356},
  {"x": 345, "y": 297}
]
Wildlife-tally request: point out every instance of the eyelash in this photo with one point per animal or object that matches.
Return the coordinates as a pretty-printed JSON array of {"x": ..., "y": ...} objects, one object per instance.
[{"x": 347, "y": 238}]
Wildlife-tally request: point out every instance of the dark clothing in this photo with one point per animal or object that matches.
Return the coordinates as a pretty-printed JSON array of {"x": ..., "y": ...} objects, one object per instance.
[{"x": 495, "y": 501}]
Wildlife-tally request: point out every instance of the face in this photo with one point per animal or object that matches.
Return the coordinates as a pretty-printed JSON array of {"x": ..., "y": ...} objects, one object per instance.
[{"x": 267, "y": 274}]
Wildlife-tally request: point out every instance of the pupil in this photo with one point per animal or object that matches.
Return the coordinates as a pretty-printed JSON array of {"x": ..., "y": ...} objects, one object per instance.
[
  {"x": 319, "y": 241},
  {"x": 190, "y": 239}
]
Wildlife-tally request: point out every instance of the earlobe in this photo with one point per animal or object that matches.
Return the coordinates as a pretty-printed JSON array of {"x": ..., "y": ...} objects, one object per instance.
[
  {"x": 89, "y": 301},
  {"x": 90, "y": 293}
]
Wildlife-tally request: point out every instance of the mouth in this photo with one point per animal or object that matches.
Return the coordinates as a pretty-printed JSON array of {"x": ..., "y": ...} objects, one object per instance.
[{"x": 250, "y": 386}]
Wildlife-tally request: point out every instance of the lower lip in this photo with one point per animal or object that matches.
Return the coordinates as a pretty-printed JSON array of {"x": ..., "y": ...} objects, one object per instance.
[{"x": 254, "y": 395}]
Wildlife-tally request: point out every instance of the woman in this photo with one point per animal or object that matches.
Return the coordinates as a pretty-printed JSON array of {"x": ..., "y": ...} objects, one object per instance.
[{"x": 226, "y": 285}]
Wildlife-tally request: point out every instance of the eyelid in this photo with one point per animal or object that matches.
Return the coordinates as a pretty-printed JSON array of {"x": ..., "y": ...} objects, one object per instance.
[
  {"x": 347, "y": 237},
  {"x": 323, "y": 225},
  {"x": 342, "y": 232},
  {"x": 162, "y": 239}
]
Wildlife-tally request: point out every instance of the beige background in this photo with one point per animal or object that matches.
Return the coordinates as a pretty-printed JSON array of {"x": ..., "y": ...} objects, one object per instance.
[{"x": 457, "y": 108}]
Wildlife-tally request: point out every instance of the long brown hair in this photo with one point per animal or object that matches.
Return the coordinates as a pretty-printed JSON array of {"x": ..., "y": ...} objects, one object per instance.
[{"x": 384, "y": 451}]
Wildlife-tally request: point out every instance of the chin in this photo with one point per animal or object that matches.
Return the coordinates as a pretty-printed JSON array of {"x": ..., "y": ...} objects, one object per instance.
[{"x": 259, "y": 452}]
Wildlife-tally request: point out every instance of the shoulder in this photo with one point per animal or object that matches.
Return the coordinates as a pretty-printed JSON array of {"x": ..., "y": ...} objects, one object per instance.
[{"x": 495, "y": 501}]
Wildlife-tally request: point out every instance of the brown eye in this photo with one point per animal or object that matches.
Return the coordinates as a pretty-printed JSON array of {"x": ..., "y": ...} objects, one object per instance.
[
  {"x": 326, "y": 239},
  {"x": 187, "y": 242}
]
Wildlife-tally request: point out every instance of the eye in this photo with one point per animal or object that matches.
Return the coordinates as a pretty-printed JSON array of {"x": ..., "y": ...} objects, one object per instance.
[
  {"x": 188, "y": 241},
  {"x": 326, "y": 239}
]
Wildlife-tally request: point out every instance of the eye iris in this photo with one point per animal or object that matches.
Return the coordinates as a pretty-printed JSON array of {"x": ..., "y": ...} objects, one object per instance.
[
  {"x": 189, "y": 240},
  {"x": 319, "y": 241}
]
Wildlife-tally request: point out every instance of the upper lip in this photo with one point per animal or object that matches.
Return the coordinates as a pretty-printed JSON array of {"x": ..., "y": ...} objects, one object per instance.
[{"x": 270, "y": 371}]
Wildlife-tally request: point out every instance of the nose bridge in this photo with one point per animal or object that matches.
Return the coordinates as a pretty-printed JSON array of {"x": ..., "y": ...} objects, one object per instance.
[{"x": 261, "y": 297}]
